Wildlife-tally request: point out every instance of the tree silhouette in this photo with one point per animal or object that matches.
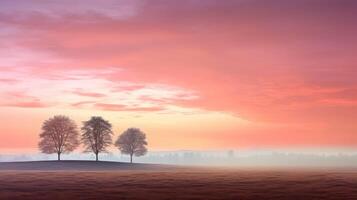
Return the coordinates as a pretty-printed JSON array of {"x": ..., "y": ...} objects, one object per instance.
[
  {"x": 132, "y": 142},
  {"x": 96, "y": 135},
  {"x": 59, "y": 135}
]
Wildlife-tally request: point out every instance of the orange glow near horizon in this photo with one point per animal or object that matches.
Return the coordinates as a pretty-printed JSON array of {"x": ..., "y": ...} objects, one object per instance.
[{"x": 191, "y": 74}]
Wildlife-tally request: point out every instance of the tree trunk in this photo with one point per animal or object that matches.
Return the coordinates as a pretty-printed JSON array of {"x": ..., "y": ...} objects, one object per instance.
[
  {"x": 96, "y": 157},
  {"x": 131, "y": 158},
  {"x": 58, "y": 156}
]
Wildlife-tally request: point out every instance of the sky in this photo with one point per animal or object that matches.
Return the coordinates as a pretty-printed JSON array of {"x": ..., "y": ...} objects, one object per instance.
[{"x": 192, "y": 74}]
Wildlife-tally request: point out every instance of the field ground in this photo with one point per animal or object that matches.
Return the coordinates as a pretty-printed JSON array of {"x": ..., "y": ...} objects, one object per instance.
[{"x": 163, "y": 182}]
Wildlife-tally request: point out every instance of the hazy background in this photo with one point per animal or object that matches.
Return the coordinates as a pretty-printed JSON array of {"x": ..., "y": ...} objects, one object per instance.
[{"x": 233, "y": 158}]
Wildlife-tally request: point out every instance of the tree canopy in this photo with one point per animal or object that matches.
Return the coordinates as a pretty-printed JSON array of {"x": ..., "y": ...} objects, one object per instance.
[
  {"x": 96, "y": 135},
  {"x": 59, "y": 135},
  {"x": 132, "y": 142}
]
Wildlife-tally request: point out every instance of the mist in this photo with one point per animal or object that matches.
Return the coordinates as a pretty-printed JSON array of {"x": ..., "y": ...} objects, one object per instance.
[{"x": 231, "y": 158}]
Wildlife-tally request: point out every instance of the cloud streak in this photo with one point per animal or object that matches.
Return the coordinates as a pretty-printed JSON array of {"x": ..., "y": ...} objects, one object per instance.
[{"x": 87, "y": 94}]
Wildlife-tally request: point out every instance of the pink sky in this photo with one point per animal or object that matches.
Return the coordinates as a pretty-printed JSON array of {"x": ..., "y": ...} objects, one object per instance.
[{"x": 192, "y": 74}]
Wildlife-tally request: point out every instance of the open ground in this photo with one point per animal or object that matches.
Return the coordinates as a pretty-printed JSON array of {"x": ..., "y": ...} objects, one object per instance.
[{"x": 109, "y": 180}]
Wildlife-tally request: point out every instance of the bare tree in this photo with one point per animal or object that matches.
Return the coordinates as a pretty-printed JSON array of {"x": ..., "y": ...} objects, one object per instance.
[
  {"x": 132, "y": 142},
  {"x": 96, "y": 135},
  {"x": 59, "y": 135}
]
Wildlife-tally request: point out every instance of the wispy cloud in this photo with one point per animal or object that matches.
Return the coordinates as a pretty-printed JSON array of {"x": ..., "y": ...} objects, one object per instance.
[
  {"x": 8, "y": 80},
  {"x": 119, "y": 107},
  {"x": 26, "y": 104},
  {"x": 87, "y": 94}
]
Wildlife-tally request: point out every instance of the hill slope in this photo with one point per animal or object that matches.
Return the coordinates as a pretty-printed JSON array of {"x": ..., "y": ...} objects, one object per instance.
[{"x": 80, "y": 166}]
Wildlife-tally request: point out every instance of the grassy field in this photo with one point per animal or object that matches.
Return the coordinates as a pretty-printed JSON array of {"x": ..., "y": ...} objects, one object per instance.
[{"x": 180, "y": 183}]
